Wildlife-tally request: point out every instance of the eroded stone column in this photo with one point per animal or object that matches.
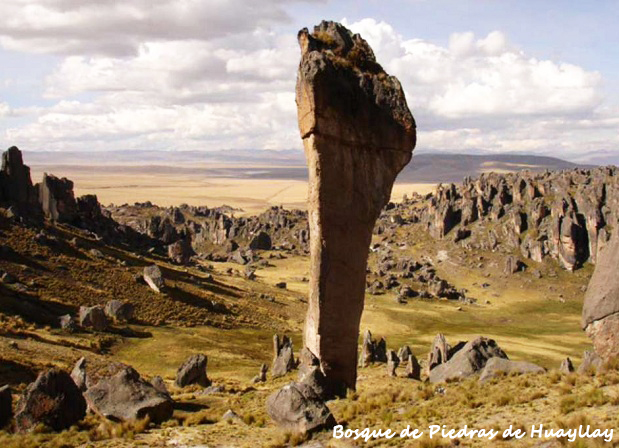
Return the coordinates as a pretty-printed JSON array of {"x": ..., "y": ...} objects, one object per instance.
[{"x": 358, "y": 134}]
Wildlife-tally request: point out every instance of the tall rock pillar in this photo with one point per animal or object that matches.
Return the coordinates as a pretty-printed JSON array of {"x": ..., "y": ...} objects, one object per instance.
[{"x": 358, "y": 134}]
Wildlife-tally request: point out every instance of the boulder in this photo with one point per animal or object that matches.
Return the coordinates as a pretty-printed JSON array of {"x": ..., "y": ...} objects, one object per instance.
[
  {"x": 283, "y": 356},
  {"x": 125, "y": 396},
  {"x": 180, "y": 252},
  {"x": 93, "y": 317},
  {"x": 67, "y": 323},
  {"x": 262, "y": 376},
  {"x": 298, "y": 408},
  {"x": 392, "y": 362},
  {"x": 469, "y": 360},
  {"x": 413, "y": 368},
  {"x": 53, "y": 400},
  {"x": 368, "y": 347},
  {"x": 566, "y": 366},
  {"x": 154, "y": 278},
  {"x": 345, "y": 101},
  {"x": 193, "y": 371},
  {"x": 439, "y": 353},
  {"x": 119, "y": 311},
  {"x": 497, "y": 366},
  {"x": 6, "y": 405},
  {"x": 79, "y": 376}
]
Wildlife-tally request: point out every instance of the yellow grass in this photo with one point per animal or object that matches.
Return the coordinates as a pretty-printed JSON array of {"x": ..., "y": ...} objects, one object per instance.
[{"x": 166, "y": 189}]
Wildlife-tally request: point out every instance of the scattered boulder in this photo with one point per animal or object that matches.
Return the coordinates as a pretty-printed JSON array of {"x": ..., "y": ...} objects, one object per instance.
[
  {"x": 119, "y": 311},
  {"x": 154, "y": 278},
  {"x": 93, "y": 317},
  {"x": 67, "y": 323},
  {"x": 79, "y": 376},
  {"x": 566, "y": 366},
  {"x": 53, "y": 400},
  {"x": 180, "y": 252},
  {"x": 262, "y": 376},
  {"x": 413, "y": 368},
  {"x": 281, "y": 285},
  {"x": 283, "y": 359},
  {"x": 298, "y": 408},
  {"x": 392, "y": 362},
  {"x": 496, "y": 366},
  {"x": 193, "y": 371},
  {"x": 439, "y": 353},
  {"x": 6, "y": 405},
  {"x": 469, "y": 360},
  {"x": 125, "y": 396}
]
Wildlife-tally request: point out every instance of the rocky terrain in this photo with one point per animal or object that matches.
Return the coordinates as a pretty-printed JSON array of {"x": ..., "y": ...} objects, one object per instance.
[{"x": 135, "y": 325}]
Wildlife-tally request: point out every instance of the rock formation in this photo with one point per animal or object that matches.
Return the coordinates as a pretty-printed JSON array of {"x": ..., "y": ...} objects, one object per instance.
[
  {"x": 358, "y": 134},
  {"x": 283, "y": 356},
  {"x": 53, "y": 399},
  {"x": 600, "y": 313},
  {"x": 57, "y": 199},
  {"x": 193, "y": 371},
  {"x": 297, "y": 407},
  {"x": 15, "y": 182},
  {"x": 126, "y": 396},
  {"x": 468, "y": 360}
]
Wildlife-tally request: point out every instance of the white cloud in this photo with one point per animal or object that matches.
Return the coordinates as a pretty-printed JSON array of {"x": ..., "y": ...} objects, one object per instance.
[
  {"x": 189, "y": 74},
  {"x": 116, "y": 28},
  {"x": 5, "y": 110}
]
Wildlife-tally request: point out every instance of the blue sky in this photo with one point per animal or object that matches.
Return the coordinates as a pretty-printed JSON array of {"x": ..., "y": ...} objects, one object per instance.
[{"x": 497, "y": 76}]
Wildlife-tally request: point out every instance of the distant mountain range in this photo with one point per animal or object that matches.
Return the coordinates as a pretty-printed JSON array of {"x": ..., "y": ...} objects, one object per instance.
[{"x": 290, "y": 164}]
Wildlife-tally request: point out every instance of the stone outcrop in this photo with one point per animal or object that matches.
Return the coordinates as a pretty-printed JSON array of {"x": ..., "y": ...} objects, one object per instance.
[
  {"x": 467, "y": 361},
  {"x": 180, "y": 252},
  {"x": 93, "y": 317},
  {"x": 154, "y": 278},
  {"x": 57, "y": 199},
  {"x": 119, "y": 311},
  {"x": 358, "y": 134},
  {"x": 600, "y": 313},
  {"x": 298, "y": 408},
  {"x": 53, "y": 400},
  {"x": 283, "y": 356},
  {"x": 125, "y": 396},
  {"x": 16, "y": 187},
  {"x": 193, "y": 371},
  {"x": 79, "y": 374}
]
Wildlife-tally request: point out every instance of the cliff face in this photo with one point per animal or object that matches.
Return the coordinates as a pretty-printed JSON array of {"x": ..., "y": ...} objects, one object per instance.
[{"x": 358, "y": 134}]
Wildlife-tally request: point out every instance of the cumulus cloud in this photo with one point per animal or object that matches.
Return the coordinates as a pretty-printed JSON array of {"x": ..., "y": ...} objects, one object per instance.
[
  {"x": 197, "y": 74},
  {"x": 113, "y": 28}
]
